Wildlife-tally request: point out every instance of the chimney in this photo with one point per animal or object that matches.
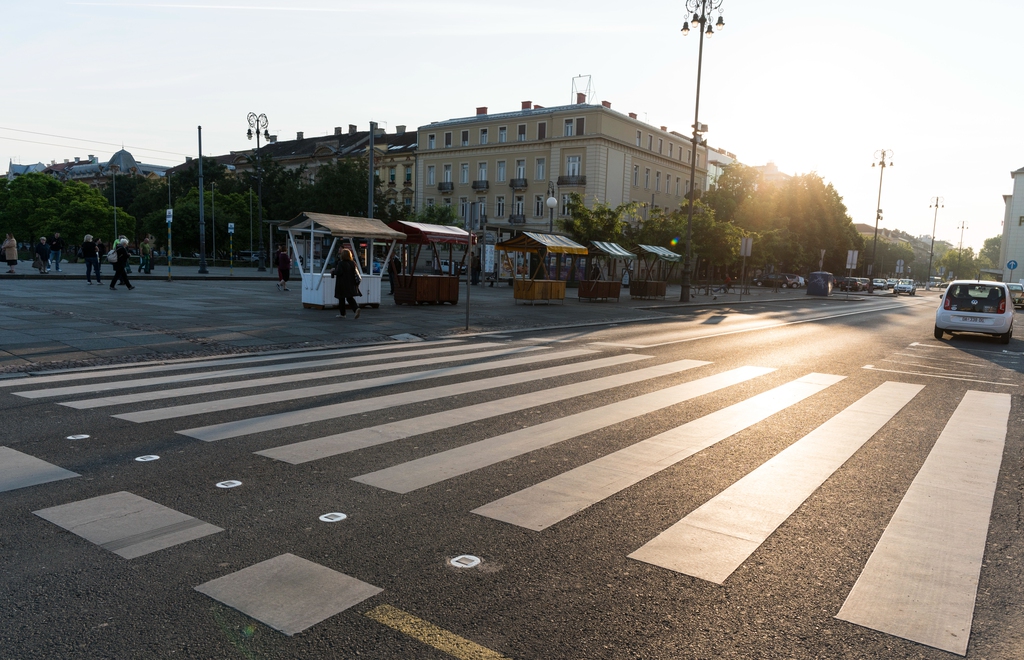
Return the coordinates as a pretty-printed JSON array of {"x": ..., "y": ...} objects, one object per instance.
[
  {"x": 632, "y": 115},
  {"x": 337, "y": 130},
  {"x": 665, "y": 128},
  {"x": 273, "y": 139},
  {"x": 298, "y": 135},
  {"x": 92, "y": 158},
  {"x": 400, "y": 129},
  {"x": 188, "y": 159},
  {"x": 527, "y": 105},
  {"x": 607, "y": 104},
  {"x": 66, "y": 161},
  {"x": 537, "y": 106},
  {"x": 351, "y": 129},
  {"x": 482, "y": 110},
  {"x": 581, "y": 97}
]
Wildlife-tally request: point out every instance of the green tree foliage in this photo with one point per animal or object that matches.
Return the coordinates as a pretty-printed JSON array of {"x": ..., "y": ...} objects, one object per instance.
[
  {"x": 959, "y": 264},
  {"x": 989, "y": 255},
  {"x": 599, "y": 223},
  {"x": 37, "y": 205},
  {"x": 888, "y": 254},
  {"x": 438, "y": 214}
]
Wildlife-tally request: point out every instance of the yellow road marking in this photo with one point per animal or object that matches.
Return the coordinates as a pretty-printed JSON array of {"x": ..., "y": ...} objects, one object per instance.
[{"x": 431, "y": 635}]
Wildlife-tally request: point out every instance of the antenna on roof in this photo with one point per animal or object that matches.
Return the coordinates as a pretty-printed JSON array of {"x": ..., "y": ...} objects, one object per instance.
[{"x": 584, "y": 87}]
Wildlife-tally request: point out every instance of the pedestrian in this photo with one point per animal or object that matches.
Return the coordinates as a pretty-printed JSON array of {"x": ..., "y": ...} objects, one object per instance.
[
  {"x": 10, "y": 248},
  {"x": 595, "y": 272},
  {"x": 284, "y": 268},
  {"x": 728, "y": 283},
  {"x": 346, "y": 284},
  {"x": 42, "y": 261},
  {"x": 56, "y": 248},
  {"x": 128, "y": 264},
  {"x": 121, "y": 266},
  {"x": 394, "y": 270},
  {"x": 474, "y": 268},
  {"x": 92, "y": 259},
  {"x": 146, "y": 264}
]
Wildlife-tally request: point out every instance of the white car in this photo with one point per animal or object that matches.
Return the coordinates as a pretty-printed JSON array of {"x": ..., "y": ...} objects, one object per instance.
[
  {"x": 982, "y": 307},
  {"x": 905, "y": 286},
  {"x": 879, "y": 283}
]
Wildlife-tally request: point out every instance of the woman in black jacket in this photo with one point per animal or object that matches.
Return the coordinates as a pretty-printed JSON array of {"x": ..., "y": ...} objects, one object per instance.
[
  {"x": 346, "y": 284},
  {"x": 91, "y": 257},
  {"x": 121, "y": 267}
]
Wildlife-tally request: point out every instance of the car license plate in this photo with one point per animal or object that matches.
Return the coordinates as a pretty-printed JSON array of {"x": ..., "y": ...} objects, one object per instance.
[{"x": 972, "y": 319}]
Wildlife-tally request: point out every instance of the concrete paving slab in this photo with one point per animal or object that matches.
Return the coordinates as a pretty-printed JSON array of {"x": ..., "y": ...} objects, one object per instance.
[
  {"x": 289, "y": 593},
  {"x": 18, "y": 470},
  {"x": 126, "y": 524}
]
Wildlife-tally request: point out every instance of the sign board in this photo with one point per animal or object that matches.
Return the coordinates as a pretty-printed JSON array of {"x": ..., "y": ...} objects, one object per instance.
[
  {"x": 899, "y": 262},
  {"x": 851, "y": 258},
  {"x": 231, "y": 228},
  {"x": 1011, "y": 264},
  {"x": 746, "y": 244},
  {"x": 170, "y": 215}
]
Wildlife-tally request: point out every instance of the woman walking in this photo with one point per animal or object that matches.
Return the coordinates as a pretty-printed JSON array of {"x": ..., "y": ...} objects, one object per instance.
[
  {"x": 346, "y": 284},
  {"x": 284, "y": 268},
  {"x": 43, "y": 255},
  {"x": 121, "y": 267},
  {"x": 10, "y": 248},
  {"x": 91, "y": 257}
]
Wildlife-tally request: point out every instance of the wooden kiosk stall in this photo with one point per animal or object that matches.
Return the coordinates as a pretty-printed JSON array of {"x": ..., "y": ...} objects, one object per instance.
[
  {"x": 654, "y": 268},
  {"x": 315, "y": 239},
  {"x": 413, "y": 289},
  {"x": 526, "y": 283},
  {"x": 603, "y": 283}
]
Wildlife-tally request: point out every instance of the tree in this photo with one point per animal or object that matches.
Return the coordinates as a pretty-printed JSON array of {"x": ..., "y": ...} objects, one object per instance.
[
  {"x": 989, "y": 255},
  {"x": 600, "y": 223},
  {"x": 37, "y": 205},
  {"x": 959, "y": 264},
  {"x": 340, "y": 188},
  {"x": 437, "y": 214}
]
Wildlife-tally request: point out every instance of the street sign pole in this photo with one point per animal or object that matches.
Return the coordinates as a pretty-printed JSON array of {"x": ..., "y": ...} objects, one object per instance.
[
  {"x": 745, "y": 246},
  {"x": 851, "y": 263},
  {"x": 170, "y": 218},
  {"x": 1012, "y": 265},
  {"x": 231, "y": 249}
]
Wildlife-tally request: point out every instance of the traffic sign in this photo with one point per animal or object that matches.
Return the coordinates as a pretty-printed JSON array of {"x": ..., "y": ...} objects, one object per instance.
[
  {"x": 1011, "y": 264},
  {"x": 170, "y": 215},
  {"x": 231, "y": 228},
  {"x": 746, "y": 244},
  {"x": 851, "y": 258}
]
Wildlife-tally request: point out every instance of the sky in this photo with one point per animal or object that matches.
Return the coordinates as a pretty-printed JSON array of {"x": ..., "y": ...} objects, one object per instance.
[{"x": 811, "y": 85}]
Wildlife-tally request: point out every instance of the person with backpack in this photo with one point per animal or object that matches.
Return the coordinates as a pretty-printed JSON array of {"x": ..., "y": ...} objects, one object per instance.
[
  {"x": 121, "y": 265},
  {"x": 91, "y": 257}
]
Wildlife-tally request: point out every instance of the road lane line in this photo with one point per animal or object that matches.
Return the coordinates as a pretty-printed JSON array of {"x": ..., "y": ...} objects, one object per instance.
[
  {"x": 311, "y": 450},
  {"x": 435, "y": 468},
  {"x": 871, "y": 367},
  {"x": 279, "y": 380},
  {"x": 712, "y": 541},
  {"x": 431, "y": 635},
  {"x": 266, "y": 398},
  {"x": 115, "y": 382},
  {"x": 552, "y": 501},
  {"x": 921, "y": 581}
]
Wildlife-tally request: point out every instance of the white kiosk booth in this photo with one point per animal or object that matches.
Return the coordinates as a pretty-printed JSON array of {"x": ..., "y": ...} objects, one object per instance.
[{"x": 314, "y": 240}]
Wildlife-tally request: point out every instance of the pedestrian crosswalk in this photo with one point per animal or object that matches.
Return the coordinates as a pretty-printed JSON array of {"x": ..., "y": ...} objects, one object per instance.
[{"x": 466, "y": 385}]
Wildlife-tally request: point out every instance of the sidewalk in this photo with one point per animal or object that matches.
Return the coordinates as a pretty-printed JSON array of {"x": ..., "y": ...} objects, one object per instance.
[{"x": 59, "y": 321}]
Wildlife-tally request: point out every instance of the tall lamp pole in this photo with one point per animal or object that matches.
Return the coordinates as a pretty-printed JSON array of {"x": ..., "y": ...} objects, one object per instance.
[
  {"x": 113, "y": 170},
  {"x": 551, "y": 203},
  {"x": 202, "y": 210},
  {"x": 259, "y": 123},
  {"x": 960, "y": 252},
  {"x": 881, "y": 156},
  {"x": 702, "y": 11},
  {"x": 935, "y": 204}
]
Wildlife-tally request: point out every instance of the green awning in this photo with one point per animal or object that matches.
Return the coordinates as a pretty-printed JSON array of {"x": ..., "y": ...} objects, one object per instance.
[
  {"x": 612, "y": 250},
  {"x": 661, "y": 253}
]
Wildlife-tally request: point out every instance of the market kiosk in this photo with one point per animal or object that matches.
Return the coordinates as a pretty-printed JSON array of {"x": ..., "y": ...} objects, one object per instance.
[
  {"x": 535, "y": 283},
  {"x": 602, "y": 281},
  {"x": 314, "y": 239},
  {"x": 418, "y": 289},
  {"x": 654, "y": 268}
]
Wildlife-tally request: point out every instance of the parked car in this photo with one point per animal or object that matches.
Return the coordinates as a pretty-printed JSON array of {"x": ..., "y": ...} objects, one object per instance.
[
  {"x": 848, "y": 284},
  {"x": 446, "y": 268},
  {"x": 982, "y": 307},
  {"x": 1016, "y": 294},
  {"x": 784, "y": 280},
  {"x": 879, "y": 283},
  {"x": 905, "y": 286}
]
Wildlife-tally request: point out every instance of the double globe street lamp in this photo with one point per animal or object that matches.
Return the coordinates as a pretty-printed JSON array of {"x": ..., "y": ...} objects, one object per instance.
[
  {"x": 702, "y": 11},
  {"x": 881, "y": 156},
  {"x": 937, "y": 202},
  {"x": 259, "y": 123}
]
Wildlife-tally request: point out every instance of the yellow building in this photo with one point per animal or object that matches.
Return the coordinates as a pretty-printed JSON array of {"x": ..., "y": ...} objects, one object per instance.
[{"x": 510, "y": 161}]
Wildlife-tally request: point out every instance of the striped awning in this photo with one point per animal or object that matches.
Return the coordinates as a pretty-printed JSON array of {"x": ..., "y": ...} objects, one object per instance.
[
  {"x": 612, "y": 250},
  {"x": 530, "y": 241},
  {"x": 419, "y": 232},
  {"x": 661, "y": 253}
]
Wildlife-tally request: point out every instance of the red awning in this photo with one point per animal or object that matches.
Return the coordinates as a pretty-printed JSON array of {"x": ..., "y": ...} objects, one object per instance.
[{"x": 418, "y": 232}]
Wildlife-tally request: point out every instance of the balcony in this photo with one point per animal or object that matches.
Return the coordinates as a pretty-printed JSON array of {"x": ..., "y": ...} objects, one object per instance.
[
  {"x": 481, "y": 185},
  {"x": 517, "y": 219},
  {"x": 571, "y": 180},
  {"x": 518, "y": 184},
  {"x": 446, "y": 186}
]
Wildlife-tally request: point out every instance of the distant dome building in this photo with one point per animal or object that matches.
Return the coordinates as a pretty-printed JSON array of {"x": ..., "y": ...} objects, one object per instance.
[{"x": 95, "y": 174}]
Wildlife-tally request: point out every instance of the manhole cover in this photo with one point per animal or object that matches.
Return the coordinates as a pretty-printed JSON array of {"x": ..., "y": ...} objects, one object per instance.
[
  {"x": 229, "y": 484},
  {"x": 333, "y": 517},
  {"x": 465, "y": 561},
  {"x": 80, "y": 436},
  {"x": 146, "y": 458}
]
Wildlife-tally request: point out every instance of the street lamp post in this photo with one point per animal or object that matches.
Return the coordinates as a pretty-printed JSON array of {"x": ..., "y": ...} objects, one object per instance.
[
  {"x": 551, "y": 203},
  {"x": 960, "y": 252},
  {"x": 113, "y": 170},
  {"x": 936, "y": 203},
  {"x": 259, "y": 123},
  {"x": 881, "y": 156},
  {"x": 702, "y": 11}
]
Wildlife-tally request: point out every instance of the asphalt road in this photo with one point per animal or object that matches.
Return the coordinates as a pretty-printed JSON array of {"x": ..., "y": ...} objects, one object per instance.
[{"x": 123, "y": 577}]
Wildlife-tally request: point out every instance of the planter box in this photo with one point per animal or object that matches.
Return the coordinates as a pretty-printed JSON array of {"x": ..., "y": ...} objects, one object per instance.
[
  {"x": 426, "y": 289},
  {"x": 599, "y": 290},
  {"x": 534, "y": 290}
]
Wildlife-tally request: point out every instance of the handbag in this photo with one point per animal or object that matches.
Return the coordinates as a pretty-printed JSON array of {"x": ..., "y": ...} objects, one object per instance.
[{"x": 112, "y": 256}]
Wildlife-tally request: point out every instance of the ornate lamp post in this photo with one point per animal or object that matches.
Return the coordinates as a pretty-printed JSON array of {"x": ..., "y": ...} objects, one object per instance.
[
  {"x": 881, "y": 156},
  {"x": 113, "y": 169},
  {"x": 551, "y": 203},
  {"x": 936, "y": 203},
  {"x": 259, "y": 123},
  {"x": 702, "y": 11},
  {"x": 960, "y": 252}
]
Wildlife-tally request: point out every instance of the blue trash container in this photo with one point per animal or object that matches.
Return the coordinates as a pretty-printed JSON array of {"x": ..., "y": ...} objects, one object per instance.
[{"x": 820, "y": 283}]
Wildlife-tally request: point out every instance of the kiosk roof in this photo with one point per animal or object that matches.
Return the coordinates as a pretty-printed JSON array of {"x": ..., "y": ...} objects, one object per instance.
[
  {"x": 344, "y": 225},
  {"x": 612, "y": 250},
  {"x": 530, "y": 241},
  {"x": 419, "y": 232},
  {"x": 660, "y": 252}
]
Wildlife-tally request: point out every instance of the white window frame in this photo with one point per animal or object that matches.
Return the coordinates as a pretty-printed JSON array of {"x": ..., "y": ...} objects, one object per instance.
[
  {"x": 483, "y": 136},
  {"x": 432, "y": 141},
  {"x": 464, "y": 138},
  {"x": 520, "y": 169},
  {"x": 431, "y": 175},
  {"x": 565, "y": 204},
  {"x": 502, "y": 134},
  {"x": 568, "y": 128},
  {"x": 447, "y": 174},
  {"x": 540, "y": 169},
  {"x": 636, "y": 175},
  {"x": 463, "y": 206},
  {"x": 538, "y": 206},
  {"x": 501, "y": 172},
  {"x": 519, "y": 205},
  {"x": 657, "y": 181},
  {"x": 481, "y": 170},
  {"x": 661, "y": 144},
  {"x": 573, "y": 165},
  {"x": 521, "y": 133},
  {"x": 647, "y": 178},
  {"x": 448, "y": 139},
  {"x": 639, "y": 137},
  {"x": 430, "y": 201},
  {"x": 499, "y": 206},
  {"x": 463, "y": 172}
]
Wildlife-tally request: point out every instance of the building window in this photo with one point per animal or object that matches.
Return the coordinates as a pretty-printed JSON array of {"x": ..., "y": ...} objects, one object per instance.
[
  {"x": 572, "y": 166},
  {"x": 407, "y": 203},
  {"x": 447, "y": 201},
  {"x": 408, "y": 173},
  {"x": 542, "y": 130},
  {"x": 639, "y": 137},
  {"x": 430, "y": 175},
  {"x": 539, "y": 172},
  {"x": 650, "y": 142},
  {"x": 538, "y": 206},
  {"x": 502, "y": 134},
  {"x": 647, "y": 178},
  {"x": 519, "y": 205},
  {"x": 687, "y": 187},
  {"x": 447, "y": 140},
  {"x": 677, "y": 186},
  {"x": 483, "y": 136},
  {"x": 499, "y": 206},
  {"x": 501, "y": 171},
  {"x": 464, "y": 173},
  {"x": 567, "y": 130},
  {"x": 391, "y": 175},
  {"x": 670, "y": 146},
  {"x": 698, "y": 160},
  {"x": 661, "y": 145},
  {"x": 520, "y": 169},
  {"x": 565, "y": 204},
  {"x": 465, "y": 138},
  {"x": 430, "y": 201},
  {"x": 689, "y": 155},
  {"x": 636, "y": 175},
  {"x": 463, "y": 206},
  {"x": 481, "y": 207},
  {"x": 657, "y": 182},
  {"x": 481, "y": 171},
  {"x": 579, "y": 126},
  {"x": 447, "y": 173},
  {"x": 521, "y": 133},
  {"x": 431, "y": 141}
]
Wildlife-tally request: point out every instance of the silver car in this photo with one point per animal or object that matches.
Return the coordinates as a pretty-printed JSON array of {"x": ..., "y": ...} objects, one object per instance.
[
  {"x": 982, "y": 307},
  {"x": 905, "y": 286}
]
